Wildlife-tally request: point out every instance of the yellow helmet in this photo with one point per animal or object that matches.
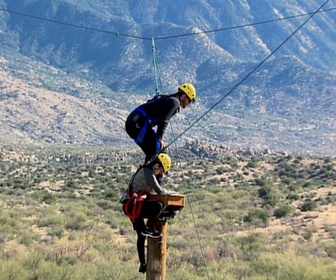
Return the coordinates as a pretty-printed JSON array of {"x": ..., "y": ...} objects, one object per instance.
[
  {"x": 189, "y": 90},
  {"x": 165, "y": 161}
]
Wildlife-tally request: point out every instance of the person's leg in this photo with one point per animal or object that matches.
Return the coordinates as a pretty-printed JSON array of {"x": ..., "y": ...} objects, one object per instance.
[
  {"x": 134, "y": 123},
  {"x": 139, "y": 129},
  {"x": 151, "y": 209},
  {"x": 139, "y": 226},
  {"x": 150, "y": 144}
]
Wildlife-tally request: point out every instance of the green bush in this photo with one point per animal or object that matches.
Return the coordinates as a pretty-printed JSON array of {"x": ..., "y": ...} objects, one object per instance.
[
  {"x": 255, "y": 216},
  {"x": 218, "y": 220},
  {"x": 269, "y": 195},
  {"x": 76, "y": 221},
  {"x": 283, "y": 210},
  {"x": 27, "y": 237},
  {"x": 51, "y": 219},
  {"x": 253, "y": 163},
  {"x": 308, "y": 205}
]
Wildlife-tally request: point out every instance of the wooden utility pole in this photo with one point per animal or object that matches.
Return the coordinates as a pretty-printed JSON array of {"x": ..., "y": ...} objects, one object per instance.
[
  {"x": 157, "y": 254},
  {"x": 157, "y": 247}
]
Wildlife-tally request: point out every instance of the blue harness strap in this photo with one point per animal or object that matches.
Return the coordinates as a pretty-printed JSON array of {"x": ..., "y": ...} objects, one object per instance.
[
  {"x": 141, "y": 111},
  {"x": 143, "y": 129},
  {"x": 142, "y": 132},
  {"x": 148, "y": 121},
  {"x": 158, "y": 145}
]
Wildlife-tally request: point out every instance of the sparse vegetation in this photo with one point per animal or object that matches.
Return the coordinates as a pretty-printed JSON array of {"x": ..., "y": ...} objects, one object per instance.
[{"x": 60, "y": 217}]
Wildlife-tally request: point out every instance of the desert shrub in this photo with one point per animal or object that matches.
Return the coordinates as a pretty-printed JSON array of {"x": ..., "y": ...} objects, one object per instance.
[
  {"x": 231, "y": 214},
  {"x": 76, "y": 221},
  {"x": 293, "y": 196},
  {"x": 308, "y": 205},
  {"x": 309, "y": 232},
  {"x": 220, "y": 170},
  {"x": 287, "y": 181},
  {"x": 13, "y": 269},
  {"x": 50, "y": 220},
  {"x": 251, "y": 245},
  {"x": 269, "y": 195},
  {"x": 226, "y": 250},
  {"x": 43, "y": 196},
  {"x": 105, "y": 270},
  {"x": 282, "y": 211},
  {"x": 290, "y": 266},
  {"x": 331, "y": 230},
  {"x": 256, "y": 216},
  {"x": 10, "y": 221},
  {"x": 253, "y": 163},
  {"x": 306, "y": 184},
  {"x": 56, "y": 231},
  {"x": 330, "y": 249},
  {"x": 105, "y": 204},
  {"x": 184, "y": 272},
  {"x": 27, "y": 237},
  {"x": 260, "y": 182},
  {"x": 72, "y": 184},
  {"x": 233, "y": 162}
]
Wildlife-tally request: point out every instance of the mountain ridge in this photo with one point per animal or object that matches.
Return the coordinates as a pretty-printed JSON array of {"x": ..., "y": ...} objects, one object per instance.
[{"x": 287, "y": 103}]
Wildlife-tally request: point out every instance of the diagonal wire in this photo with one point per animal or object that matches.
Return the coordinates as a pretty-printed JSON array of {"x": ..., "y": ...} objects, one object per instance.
[
  {"x": 244, "y": 25},
  {"x": 211, "y": 108},
  {"x": 192, "y": 214},
  {"x": 248, "y": 75}
]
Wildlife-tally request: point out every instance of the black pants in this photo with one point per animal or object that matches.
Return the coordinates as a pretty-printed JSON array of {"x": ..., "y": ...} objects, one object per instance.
[
  {"x": 139, "y": 128},
  {"x": 152, "y": 210}
]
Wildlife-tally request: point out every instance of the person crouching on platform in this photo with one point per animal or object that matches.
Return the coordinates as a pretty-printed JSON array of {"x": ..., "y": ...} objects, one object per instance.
[
  {"x": 147, "y": 123},
  {"x": 138, "y": 206}
]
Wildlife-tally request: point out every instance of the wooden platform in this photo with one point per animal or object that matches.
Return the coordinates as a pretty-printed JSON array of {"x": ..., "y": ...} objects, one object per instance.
[
  {"x": 167, "y": 200},
  {"x": 172, "y": 204}
]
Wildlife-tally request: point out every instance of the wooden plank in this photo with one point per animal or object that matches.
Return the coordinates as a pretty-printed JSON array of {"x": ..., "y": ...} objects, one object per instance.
[{"x": 174, "y": 200}]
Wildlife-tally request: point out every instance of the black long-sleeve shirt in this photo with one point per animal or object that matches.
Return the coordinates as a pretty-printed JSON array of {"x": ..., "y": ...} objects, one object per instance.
[{"x": 161, "y": 110}]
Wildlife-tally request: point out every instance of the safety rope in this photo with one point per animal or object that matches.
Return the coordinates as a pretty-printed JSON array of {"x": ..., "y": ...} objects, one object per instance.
[
  {"x": 192, "y": 212},
  {"x": 157, "y": 75},
  {"x": 158, "y": 86}
]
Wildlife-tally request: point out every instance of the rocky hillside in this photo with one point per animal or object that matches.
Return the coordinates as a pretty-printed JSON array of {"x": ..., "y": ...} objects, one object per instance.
[{"x": 72, "y": 70}]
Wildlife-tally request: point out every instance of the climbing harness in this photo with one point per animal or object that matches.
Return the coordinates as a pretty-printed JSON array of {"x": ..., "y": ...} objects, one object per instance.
[{"x": 132, "y": 207}]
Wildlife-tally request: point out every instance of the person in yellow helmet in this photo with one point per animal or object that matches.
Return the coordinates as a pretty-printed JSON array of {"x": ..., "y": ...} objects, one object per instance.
[
  {"x": 157, "y": 112},
  {"x": 137, "y": 205}
]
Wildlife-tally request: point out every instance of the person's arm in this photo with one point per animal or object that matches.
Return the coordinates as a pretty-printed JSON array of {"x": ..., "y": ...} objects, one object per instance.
[
  {"x": 161, "y": 128},
  {"x": 153, "y": 182},
  {"x": 168, "y": 108}
]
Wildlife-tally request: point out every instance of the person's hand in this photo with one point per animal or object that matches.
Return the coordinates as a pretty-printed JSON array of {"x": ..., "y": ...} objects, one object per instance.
[
  {"x": 167, "y": 192},
  {"x": 162, "y": 144}
]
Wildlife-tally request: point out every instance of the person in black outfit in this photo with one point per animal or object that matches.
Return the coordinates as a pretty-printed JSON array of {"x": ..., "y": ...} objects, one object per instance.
[{"x": 156, "y": 113}]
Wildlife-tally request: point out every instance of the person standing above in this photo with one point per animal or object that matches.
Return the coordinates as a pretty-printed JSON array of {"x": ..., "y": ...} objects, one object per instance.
[
  {"x": 137, "y": 205},
  {"x": 157, "y": 113}
]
